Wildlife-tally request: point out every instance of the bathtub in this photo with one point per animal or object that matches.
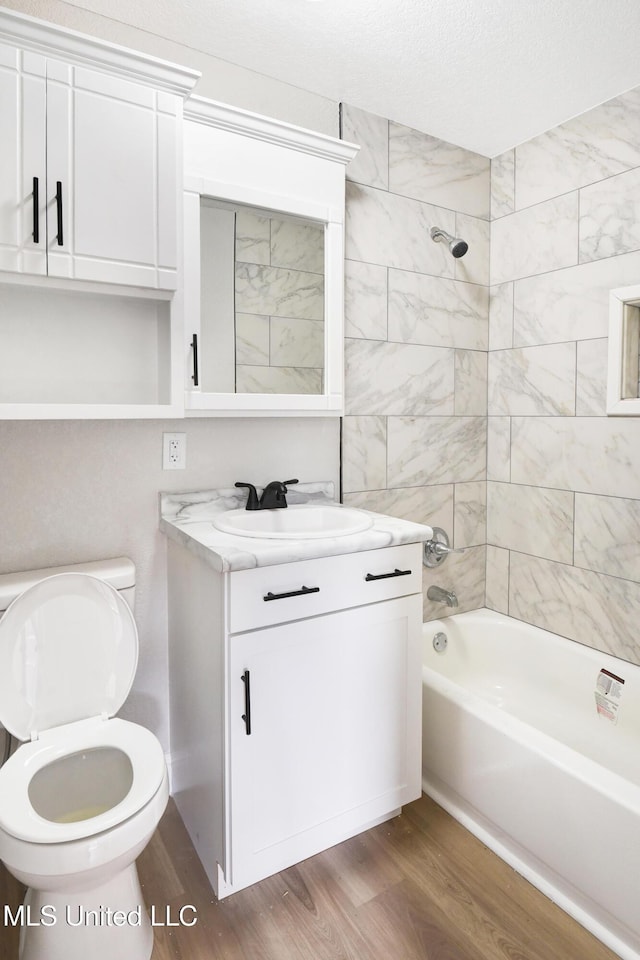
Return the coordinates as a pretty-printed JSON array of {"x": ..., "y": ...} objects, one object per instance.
[{"x": 515, "y": 749}]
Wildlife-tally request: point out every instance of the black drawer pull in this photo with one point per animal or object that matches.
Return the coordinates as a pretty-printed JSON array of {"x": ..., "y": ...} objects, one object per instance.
[
  {"x": 36, "y": 210},
  {"x": 292, "y": 593},
  {"x": 246, "y": 716},
  {"x": 385, "y": 576}
]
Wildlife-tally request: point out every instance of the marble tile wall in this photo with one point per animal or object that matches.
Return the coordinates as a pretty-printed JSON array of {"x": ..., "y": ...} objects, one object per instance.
[
  {"x": 417, "y": 333},
  {"x": 475, "y": 389},
  {"x": 563, "y": 479},
  {"x": 279, "y": 300}
]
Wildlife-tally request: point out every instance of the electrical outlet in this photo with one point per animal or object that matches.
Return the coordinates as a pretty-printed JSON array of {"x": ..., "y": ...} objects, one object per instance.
[{"x": 174, "y": 451}]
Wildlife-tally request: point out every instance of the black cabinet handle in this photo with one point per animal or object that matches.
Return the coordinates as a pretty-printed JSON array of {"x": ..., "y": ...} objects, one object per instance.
[
  {"x": 194, "y": 347},
  {"x": 246, "y": 716},
  {"x": 385, "y": 576},
  {"x": 292, "y": 593},
  {"x": 59, "y": 211},
  {"x": 36, "y": 210}
]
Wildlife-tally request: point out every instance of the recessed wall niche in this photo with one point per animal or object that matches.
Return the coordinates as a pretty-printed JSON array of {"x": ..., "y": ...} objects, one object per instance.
[{"x": 623, "y": 375}]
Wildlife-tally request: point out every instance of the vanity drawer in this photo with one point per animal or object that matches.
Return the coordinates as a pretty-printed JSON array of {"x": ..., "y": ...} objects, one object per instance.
[{"x": 292, "y": 591}]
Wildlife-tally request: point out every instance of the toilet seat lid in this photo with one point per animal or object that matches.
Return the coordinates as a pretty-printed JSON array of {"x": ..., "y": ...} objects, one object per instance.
[{"x": 68, "y": 651}]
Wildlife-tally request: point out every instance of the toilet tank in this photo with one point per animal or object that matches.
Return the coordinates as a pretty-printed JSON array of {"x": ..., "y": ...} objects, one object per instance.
[{"x": 120, "y": 573}]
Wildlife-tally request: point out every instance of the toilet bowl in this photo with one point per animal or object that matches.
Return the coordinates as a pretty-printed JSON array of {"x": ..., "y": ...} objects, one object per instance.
[{"x": 82, "y": 795}]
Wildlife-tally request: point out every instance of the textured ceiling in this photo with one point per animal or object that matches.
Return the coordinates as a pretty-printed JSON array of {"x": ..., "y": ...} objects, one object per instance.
[{"x": 483, "y": 74}]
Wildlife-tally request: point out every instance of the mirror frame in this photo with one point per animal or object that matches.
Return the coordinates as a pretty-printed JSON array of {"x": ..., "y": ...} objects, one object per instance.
[
  {"x": 243, "y": 158},
  {"x": 621, "y": 301}
]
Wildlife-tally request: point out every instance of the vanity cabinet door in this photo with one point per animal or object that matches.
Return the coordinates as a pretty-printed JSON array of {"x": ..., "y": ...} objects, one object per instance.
[{"x": 325, "y": 736}]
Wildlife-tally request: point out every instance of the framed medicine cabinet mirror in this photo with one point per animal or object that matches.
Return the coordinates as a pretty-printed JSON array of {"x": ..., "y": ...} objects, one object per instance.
[
  {"x": 264, "y": 265},
  {"x": 623, "y": 375}
]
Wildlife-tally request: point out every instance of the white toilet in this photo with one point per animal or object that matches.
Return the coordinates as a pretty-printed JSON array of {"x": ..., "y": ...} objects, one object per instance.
[{"x": 82, "y": 795}]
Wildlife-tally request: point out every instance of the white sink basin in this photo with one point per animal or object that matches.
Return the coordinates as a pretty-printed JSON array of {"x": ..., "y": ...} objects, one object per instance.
[{"x": 299, "y": 522}]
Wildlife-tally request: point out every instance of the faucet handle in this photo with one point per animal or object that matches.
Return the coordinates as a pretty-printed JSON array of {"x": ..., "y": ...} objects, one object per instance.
[
  {"x": 437, "y": 549},
  {"x": 274, "y": 495},
  {"x": 252, "y": 499},
  {"x": 288, "y": 483}
]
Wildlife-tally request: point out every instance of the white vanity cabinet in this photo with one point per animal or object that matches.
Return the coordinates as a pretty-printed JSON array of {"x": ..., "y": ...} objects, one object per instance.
[{"x": 295, "y": 704}]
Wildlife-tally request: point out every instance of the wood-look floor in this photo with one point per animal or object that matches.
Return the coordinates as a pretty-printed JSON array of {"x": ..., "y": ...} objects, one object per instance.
[{"x": 419, "y": 887}]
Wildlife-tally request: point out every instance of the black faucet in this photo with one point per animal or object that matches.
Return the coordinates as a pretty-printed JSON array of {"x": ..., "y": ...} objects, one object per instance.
[{"x": 273, "y": 496}]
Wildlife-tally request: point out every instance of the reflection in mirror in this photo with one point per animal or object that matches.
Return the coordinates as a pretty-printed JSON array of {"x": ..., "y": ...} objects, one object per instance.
[{"x": 262, "y": 301}]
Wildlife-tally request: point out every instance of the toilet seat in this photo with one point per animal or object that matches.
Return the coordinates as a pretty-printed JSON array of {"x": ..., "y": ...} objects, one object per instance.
[
  {"x": 17, "y": 815},
  {"x": 68, "y": 656},
  {"x": 68, "y": 651}
]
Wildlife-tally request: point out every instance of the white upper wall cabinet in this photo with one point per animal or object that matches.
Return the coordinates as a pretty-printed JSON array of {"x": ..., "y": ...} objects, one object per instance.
[
  {"x": 264, "y": 210},
  {"x": 90, "y": 221},
  {"x": 90, "y": 157}
]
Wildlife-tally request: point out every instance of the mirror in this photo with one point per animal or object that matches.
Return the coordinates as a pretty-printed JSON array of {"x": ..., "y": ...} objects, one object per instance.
[
  {"x": 261, "y": 301},
  {"x": 623, "y": 380}
]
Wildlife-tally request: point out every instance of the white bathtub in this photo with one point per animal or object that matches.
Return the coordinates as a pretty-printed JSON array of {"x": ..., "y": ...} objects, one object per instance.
[{"x": 513, "y": 748}]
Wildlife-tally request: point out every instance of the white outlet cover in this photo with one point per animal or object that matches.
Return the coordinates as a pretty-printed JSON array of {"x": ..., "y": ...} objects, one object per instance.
[{"x": 174, "y": 451}]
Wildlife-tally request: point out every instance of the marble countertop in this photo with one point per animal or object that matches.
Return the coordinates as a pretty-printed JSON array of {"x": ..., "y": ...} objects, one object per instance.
[{"x": 187, "y": 518}]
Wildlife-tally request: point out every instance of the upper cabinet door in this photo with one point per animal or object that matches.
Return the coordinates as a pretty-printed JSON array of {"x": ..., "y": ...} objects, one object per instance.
[
  {"x": 111, "y": 179},
  {"x": 263, "y": 265},
  {"x": 23, "y": 239}
]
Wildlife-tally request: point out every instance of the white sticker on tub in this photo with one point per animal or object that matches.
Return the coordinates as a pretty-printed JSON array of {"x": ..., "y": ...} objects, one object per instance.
[{"x": 608, "y": 694}]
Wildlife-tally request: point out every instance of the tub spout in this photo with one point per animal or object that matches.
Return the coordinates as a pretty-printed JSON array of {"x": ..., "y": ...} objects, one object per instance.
[{"x": 442, "y": 596}]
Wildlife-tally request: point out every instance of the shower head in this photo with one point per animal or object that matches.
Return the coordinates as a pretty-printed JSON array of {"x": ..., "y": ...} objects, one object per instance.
[{"x": 457, "y": 247}]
